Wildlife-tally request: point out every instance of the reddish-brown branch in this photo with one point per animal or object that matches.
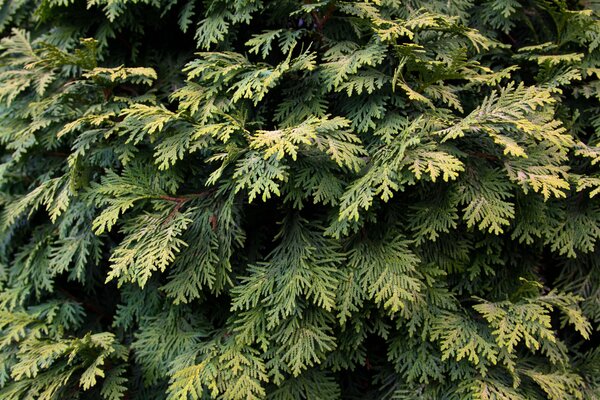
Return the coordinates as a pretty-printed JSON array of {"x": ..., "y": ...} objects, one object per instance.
[
  {"x": 174, "y": 211},
  {"x": 320, "y": 21},
  {"x": 187, "y": 197},
  {"x": 56, "y": 154},
  {"x": 317, "y": 20},
  {"x": 213, "y": 222},
  {"x": 174, "y": 199},
  {"x": 180, "y": 201},
  {"x": 106, "y": 92},
  {"x": 328, "y": 14},
  {"x": 131, "y": 90}
]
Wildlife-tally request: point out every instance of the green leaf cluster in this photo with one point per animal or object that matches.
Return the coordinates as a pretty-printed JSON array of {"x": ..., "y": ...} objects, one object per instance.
[{"x": 256, "y": 199}]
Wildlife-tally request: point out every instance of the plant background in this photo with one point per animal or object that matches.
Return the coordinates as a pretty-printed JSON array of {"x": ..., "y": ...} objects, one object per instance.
[{"x": 299, "y": 200}]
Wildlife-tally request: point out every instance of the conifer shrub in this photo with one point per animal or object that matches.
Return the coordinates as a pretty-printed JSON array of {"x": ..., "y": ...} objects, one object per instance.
[{"x": 252, "y": 199}]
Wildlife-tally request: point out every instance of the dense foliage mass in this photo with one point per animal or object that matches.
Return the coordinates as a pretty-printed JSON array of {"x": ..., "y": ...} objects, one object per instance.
[{"x": 248, "y": 199}]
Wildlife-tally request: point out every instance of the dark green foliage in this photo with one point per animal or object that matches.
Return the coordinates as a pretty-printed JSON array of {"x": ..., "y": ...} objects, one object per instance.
[{"x": 299, "y": 200}]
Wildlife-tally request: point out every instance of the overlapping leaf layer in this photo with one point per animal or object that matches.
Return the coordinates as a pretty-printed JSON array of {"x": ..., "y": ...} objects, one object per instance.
[{"x": 254, "y": 199}]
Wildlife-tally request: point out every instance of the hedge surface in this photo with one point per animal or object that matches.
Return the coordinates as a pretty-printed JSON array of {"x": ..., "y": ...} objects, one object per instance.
[{"x": 253, "y": 199}]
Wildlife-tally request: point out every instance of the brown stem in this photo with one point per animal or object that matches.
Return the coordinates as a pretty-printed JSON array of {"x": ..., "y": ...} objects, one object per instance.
[
  {"x": 579, "y": 197},
  {"x": 175, "y": 199},
  {"x": 174, "y": 211},
  {"x": 107, "y": 92},
  {"x": 131, "y": 90},
  {"x": 213, "y": 222},
  {"x": 328, "y": 14},
  {"x": 512, "y": 39},
  {"x": 317, "y": 20},
  {"x": 187, "y": 197},
  {"x": 55, "y": 154},
  {"x": 180, "y": 201},
  {"x": 321, "y": 20}
]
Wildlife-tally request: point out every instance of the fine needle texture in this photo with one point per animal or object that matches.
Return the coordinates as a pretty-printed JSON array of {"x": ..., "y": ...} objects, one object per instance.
[{"x": 299, "y": 200}]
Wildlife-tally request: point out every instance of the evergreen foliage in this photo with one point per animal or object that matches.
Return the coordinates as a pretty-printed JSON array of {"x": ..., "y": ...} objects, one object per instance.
[{"x": 282, "y": 200}]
